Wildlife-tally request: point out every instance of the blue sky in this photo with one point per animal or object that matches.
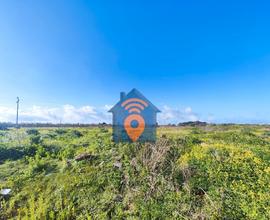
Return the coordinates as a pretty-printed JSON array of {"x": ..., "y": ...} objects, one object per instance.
[{"x": 206, "y": 60}]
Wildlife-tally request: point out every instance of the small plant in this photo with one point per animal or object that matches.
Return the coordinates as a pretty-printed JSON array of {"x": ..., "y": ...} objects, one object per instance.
[
  {"x": 32, "y": 132},
  {"x": 76, "y": 133},
  {"x": 35, "y": 140},
  {"x": 103, "y": 130},
  {"x": 60, "y": 131}
]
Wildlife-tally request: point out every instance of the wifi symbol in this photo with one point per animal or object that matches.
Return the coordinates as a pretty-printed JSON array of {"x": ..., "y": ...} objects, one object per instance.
[{"x": 134, "y": 105}]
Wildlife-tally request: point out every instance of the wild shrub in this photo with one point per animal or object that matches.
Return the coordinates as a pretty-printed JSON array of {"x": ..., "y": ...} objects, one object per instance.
[
  {"x": 50, "y": 135},
  {"x": 76, "y": 133},
  {"x": 224, "y": 182},
  {"x": 196, "y": 130},
  {"x": 10, "y": 153},
  {"x": 32, "y": 132},
  {"x": 35, "y": 139},
  {"x": 68, "y": 153},
  {"x": 266, "y": 134},
  {"x": 37, "y": 165},
  {"x": 103, "y": 129},
  {"x": 61, "y": 131}
]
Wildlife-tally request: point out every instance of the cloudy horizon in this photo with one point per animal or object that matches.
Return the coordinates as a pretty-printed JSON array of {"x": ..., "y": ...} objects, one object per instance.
[{"x": 87, "y": 114}]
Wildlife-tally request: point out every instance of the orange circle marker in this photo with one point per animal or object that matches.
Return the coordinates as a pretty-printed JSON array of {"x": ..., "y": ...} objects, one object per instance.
[{"x": 134, "y": 133}]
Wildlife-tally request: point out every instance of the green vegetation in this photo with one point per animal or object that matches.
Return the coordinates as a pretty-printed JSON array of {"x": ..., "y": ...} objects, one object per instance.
[{"x": 205, "y": 172}]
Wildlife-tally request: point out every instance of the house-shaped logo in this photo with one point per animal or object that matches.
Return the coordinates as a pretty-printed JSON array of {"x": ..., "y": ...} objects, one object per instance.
[{"x": 134, "y": 118}]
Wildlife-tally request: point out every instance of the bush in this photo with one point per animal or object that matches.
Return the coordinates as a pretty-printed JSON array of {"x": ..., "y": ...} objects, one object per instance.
[
  {"x": 76, "y": 133},
  {"x": 32, "y": 132},
  {"x": 60, "y": 131},
  {"x": 38, "y": 165},
  {"x": 224, "y": 182},
  {"x": 35, "y": 139}
]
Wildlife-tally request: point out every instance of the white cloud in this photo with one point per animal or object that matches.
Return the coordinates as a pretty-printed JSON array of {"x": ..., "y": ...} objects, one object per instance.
[
  {"x": 188, "y": 110},
  {"x": 7, "y": 114},
  {"x": 87, "y": 114},
  {"x": 65, "y": 114},
  {"x": 176, "y": 115}
]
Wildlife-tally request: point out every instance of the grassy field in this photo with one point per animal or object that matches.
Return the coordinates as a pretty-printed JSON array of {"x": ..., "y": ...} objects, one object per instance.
[{"x": 210, "y": 172}]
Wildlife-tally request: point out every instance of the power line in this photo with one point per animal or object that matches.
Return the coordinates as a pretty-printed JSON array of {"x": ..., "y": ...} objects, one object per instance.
[{"x": 17, "y": 116}]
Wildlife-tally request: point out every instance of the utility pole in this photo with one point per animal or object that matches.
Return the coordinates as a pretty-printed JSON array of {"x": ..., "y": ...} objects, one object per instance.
[{"x": 17, "y": 116}]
